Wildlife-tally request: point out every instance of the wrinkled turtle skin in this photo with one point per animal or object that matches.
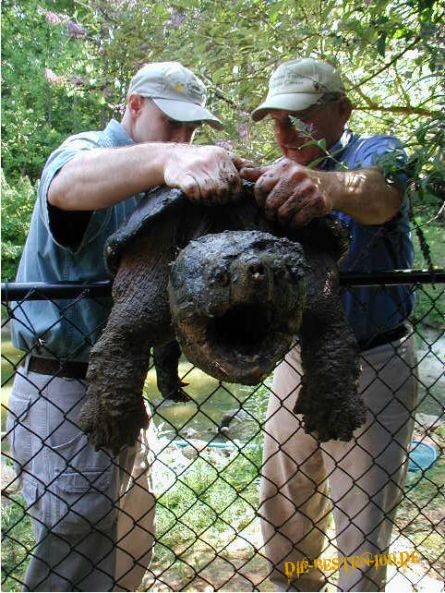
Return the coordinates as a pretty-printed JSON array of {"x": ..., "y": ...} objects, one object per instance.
[{"x": 233, "y": 291}]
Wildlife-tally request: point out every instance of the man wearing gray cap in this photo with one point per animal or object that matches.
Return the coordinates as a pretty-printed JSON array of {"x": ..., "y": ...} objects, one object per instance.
[
  {"x": 328, "y": 169},
  {"x": 93, "y": 514}
]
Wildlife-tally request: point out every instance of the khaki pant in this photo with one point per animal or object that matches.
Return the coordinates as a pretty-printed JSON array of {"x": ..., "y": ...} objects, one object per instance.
[
  {"x": 361, "y": 481},
  {"x": 93, "y": 514}
]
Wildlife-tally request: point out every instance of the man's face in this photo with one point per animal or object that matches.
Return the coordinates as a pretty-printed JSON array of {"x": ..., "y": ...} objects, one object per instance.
[
  {"x": 153, "y": 125},
  {"x": 295, "y": 131}
]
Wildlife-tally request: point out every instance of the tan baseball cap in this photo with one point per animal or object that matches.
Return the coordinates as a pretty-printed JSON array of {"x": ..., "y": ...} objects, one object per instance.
[
  {"x": 298, "y": 84},
  {"x": 175, "y": 90}
]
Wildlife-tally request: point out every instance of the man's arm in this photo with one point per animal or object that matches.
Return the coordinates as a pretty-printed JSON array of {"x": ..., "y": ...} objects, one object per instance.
[
  {"x": 294, "y": 194},
  {"x": 102, "y": 177}
]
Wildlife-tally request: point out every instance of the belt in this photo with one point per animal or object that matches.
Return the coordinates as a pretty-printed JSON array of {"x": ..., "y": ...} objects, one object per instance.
[
  {"x": 62, "y": 368},
  {"x": 386, "y": 338}
]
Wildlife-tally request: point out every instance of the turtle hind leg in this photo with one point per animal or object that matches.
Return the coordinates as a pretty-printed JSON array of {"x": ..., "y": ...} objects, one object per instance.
[
  {"x": 328, "y": 399},
  {"x": 166, "y": 359}
]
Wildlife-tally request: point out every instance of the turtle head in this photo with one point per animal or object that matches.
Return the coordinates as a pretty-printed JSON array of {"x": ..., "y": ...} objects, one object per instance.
[{"x": 236, "y": 300}]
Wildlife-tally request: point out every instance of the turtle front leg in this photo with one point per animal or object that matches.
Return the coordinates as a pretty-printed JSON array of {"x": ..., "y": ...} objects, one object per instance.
[
  {"x": 114, "y": 411},
  {"x": 328, "y": 400},
  {"x": 166, "y": 358}
]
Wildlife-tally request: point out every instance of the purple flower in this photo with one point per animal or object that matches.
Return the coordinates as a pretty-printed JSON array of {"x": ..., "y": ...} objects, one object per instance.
[
  {"x": 120, "y": 108},
  {"x": 126, "y": 4},
  {"x": 226, "y": 144},
  {"x": 75, "y": 30},
  {"x": 52, "y": 77},
  {"x": 243, "y": 130},
  {"x": 53, "y": 18},
  {"x": 176, "y": 19},
  {"x": 77, "y": 81}
]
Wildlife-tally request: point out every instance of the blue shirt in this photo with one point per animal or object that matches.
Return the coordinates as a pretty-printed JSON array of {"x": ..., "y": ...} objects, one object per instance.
[
  {"x": 66, "y": 329},
  {"x": 372, "y": 311}
]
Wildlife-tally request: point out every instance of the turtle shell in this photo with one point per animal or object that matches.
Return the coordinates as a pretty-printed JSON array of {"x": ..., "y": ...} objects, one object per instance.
[
  {"x": 328, "y": 233},
  {"x": 153, "y": 204},
  {"x": 325, "y": 234}
]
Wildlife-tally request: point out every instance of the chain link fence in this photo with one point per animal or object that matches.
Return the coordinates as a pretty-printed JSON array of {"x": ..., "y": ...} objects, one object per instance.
[{"x": 206, "y": 462}]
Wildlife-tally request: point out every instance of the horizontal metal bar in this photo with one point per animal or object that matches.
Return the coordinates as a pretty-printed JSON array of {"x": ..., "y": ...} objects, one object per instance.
[
  {"x": 392, "y": 278},
  {"x": 37, "y": 291},
  {"x": 40, "y": 291}
]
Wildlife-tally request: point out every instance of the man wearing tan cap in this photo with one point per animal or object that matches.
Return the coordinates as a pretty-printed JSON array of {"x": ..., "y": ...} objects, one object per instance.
[
  {"x": 94, "y": 514},
  {"x": 328, "y": 169}
]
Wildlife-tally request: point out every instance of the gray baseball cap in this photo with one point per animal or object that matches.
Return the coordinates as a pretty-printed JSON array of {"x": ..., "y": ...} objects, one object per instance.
[
  {"x": 175, "y": 90},
  {"x": 298, "y": 84}
]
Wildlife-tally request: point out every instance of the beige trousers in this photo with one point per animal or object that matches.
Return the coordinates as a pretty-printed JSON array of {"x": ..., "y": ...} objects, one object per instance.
[
  {"x": 136, "y": 518},
  {"x": 361, "y": 481}
]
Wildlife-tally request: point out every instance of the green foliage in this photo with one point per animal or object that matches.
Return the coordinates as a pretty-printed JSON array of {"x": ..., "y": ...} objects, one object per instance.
[
  {"x": 49, "y": 89},
  {"x": 423, "y": 490},
  {"x": 17, "y": 543},
  {"x": 17, "y": 205},
  {"x": 430, "y": 299},
  {"x": 211, "y": 502},
  {"x": 430, "y": 305},
  {"x": 66, "y": 67}
]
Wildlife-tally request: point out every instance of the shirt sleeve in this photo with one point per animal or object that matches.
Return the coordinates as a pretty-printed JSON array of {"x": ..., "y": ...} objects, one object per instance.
[
  {"x": 72, "y": 148},
  {"x": 387, "y": 153}
]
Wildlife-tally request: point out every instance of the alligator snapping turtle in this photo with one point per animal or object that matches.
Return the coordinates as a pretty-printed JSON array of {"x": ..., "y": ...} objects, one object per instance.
[{"x": 234, "y": 297}]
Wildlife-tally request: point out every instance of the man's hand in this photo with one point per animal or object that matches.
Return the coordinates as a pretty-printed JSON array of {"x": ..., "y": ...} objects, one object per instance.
[
  {"x": 203, "y": 173},
  {"x": 288, "y": 192},
  {"x": 102, "y": 177}
]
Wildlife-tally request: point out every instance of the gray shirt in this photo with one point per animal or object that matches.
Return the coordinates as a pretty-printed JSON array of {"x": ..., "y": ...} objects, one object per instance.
[{"x": 66, "y": 329}]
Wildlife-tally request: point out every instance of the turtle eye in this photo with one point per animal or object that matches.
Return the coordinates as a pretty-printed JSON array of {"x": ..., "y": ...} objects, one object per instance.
[{"x": 221, "y": 276}]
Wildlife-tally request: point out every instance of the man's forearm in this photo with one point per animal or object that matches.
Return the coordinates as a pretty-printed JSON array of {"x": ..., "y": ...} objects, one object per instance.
[
  {"x": 102, "y": 177},
  {"x": 362, "y": 194}
]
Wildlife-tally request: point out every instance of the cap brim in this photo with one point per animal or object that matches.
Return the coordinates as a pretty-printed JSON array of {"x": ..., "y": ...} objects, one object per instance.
[
  {"x": 187, "y": 112},
  {"x": 288, "y": 102}
]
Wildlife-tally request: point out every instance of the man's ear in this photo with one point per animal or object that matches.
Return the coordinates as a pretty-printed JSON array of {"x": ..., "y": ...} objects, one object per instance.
[
  {"x": 135, "y": 104},
  {"x": 344, "y": 107}
]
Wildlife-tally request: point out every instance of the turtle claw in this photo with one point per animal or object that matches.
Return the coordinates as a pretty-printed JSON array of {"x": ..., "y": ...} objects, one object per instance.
[
  {"x": 112, "y": 428},
  {"x": 179, "y": 395},
  {"x": 331, "y": 423}
]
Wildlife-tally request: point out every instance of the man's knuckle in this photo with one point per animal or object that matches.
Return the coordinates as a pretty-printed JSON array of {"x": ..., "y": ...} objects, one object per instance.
[{"x": 188, "y": 185}]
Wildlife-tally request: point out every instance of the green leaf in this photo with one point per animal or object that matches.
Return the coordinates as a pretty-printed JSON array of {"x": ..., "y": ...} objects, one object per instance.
[{"x": 381, "y": 44}]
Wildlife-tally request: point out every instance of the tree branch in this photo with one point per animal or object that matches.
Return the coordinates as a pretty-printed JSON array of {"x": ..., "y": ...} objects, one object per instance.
[
  {"x": 402, "y": 109},
  {"x": 219, "y": 94},
  {"x": 390, "y": 63}
]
